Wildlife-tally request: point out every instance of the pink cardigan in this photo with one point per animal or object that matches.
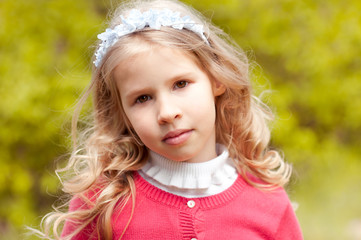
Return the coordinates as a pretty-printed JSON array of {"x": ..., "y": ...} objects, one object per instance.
[{"x": 240, "y": 212}]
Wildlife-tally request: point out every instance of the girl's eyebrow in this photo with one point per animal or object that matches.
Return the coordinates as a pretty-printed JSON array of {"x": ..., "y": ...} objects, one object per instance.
[
  {"x": 181, "y": 76},
  {"x": 142, "y": 90},
  {"x": 132, "y": 94}
]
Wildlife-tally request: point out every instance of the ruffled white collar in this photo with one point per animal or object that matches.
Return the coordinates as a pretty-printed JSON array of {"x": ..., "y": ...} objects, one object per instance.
[{"x": 184, "y": 175}]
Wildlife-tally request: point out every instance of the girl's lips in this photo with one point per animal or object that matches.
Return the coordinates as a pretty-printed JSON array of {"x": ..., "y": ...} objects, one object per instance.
[{"x": 177, "y": 137}]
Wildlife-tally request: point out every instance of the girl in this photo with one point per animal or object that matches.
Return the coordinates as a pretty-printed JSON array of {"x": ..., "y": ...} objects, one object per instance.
[{"x": 178, "y": 146}]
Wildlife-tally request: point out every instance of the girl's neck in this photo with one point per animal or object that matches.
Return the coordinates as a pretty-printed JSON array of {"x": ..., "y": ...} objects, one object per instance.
[{"x": 191, "y": 179}]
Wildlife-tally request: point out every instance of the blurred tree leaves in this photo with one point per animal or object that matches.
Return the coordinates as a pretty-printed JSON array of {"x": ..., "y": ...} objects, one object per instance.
[
  {"x": 44, "y": 49},
  {"x": 307, "y": 52}
]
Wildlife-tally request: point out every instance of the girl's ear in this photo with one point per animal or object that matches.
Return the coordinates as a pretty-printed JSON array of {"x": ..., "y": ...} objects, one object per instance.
[{"x": 218, "y": 88}]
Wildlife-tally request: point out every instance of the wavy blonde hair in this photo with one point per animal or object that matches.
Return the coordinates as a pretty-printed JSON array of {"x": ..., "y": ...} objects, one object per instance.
[{"x": 106, "y": 154}]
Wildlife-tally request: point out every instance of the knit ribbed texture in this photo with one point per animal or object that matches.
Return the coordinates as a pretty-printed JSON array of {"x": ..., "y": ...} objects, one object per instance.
[
  {"x": 240, "y": 212},
  {"x": 176, "y": 201},
  {"x": 186, "y": 225}
]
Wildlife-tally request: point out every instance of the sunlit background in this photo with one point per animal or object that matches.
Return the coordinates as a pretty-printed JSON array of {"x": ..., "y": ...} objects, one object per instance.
[{"x": 307, "y": 52}]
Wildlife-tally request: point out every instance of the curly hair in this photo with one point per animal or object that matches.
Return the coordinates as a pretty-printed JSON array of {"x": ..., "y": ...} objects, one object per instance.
[{"x": 106, "y": 154}]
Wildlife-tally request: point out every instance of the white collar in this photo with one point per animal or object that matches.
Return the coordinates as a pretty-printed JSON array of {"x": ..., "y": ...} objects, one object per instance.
[{"x": 191, "y": 175}]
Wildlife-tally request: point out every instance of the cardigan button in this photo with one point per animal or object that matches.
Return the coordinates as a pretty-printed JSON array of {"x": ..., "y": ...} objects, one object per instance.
[{"x": 191, "y": 204}]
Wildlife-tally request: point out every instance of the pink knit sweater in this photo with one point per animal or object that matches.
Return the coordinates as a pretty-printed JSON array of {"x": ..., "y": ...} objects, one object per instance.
[{"x": 240, "y": 212}]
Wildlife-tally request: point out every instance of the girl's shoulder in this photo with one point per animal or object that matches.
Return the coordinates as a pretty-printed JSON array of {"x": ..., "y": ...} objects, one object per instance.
[
  {"x": 84, "y": 200},
  {"x": 271, "y": 206},
  {"x": 79, "y": 204},
  {"x": 275, "y": 198}
]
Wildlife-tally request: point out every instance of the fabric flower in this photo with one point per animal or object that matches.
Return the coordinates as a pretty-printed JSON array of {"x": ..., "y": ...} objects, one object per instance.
[{"x": 137, "y": 20}]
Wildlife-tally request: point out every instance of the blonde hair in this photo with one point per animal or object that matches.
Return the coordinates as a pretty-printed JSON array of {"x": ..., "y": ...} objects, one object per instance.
[{"x": 103, "y": 162}]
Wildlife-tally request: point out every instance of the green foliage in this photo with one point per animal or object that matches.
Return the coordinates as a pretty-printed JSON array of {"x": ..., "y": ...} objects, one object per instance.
[
  {"x": 44, "y": 48},
  {"x": 307, "y": 52}
]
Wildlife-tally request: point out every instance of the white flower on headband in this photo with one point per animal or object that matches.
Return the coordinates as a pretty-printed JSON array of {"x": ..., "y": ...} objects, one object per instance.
[{"x": 136, "y": 20}]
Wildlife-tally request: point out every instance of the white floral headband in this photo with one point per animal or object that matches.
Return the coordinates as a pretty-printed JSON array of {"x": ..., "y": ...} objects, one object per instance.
[{"x": 136, "y": 20}]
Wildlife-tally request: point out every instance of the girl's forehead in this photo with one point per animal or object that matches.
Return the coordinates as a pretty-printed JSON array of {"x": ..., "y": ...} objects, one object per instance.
[
  {"x": 161, "y": 64},
  {"x": 154, "y": 53}
]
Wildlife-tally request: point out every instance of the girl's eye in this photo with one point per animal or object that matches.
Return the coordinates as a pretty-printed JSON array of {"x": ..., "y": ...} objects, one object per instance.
[
  {"x": 143, "y": 99},
  {"x": 181, "y": 84}
]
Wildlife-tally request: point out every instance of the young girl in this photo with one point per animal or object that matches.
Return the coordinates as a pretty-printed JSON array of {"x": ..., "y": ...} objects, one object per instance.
[{"x": 178, "y": 146}]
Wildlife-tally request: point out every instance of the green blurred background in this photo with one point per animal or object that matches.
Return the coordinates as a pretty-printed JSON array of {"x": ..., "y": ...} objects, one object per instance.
[{"x": 307, "y": 52}]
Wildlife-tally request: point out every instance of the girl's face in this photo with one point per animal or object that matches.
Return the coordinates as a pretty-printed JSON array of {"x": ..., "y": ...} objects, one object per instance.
[{"x": 169, "y": 102}]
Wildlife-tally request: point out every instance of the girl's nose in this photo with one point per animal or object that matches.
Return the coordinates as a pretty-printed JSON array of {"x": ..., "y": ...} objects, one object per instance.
[{"x": 168, "y": 111}]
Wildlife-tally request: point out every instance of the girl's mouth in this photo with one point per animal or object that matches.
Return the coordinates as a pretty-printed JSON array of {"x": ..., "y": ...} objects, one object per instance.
[{"x": 177, "y": 137}]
